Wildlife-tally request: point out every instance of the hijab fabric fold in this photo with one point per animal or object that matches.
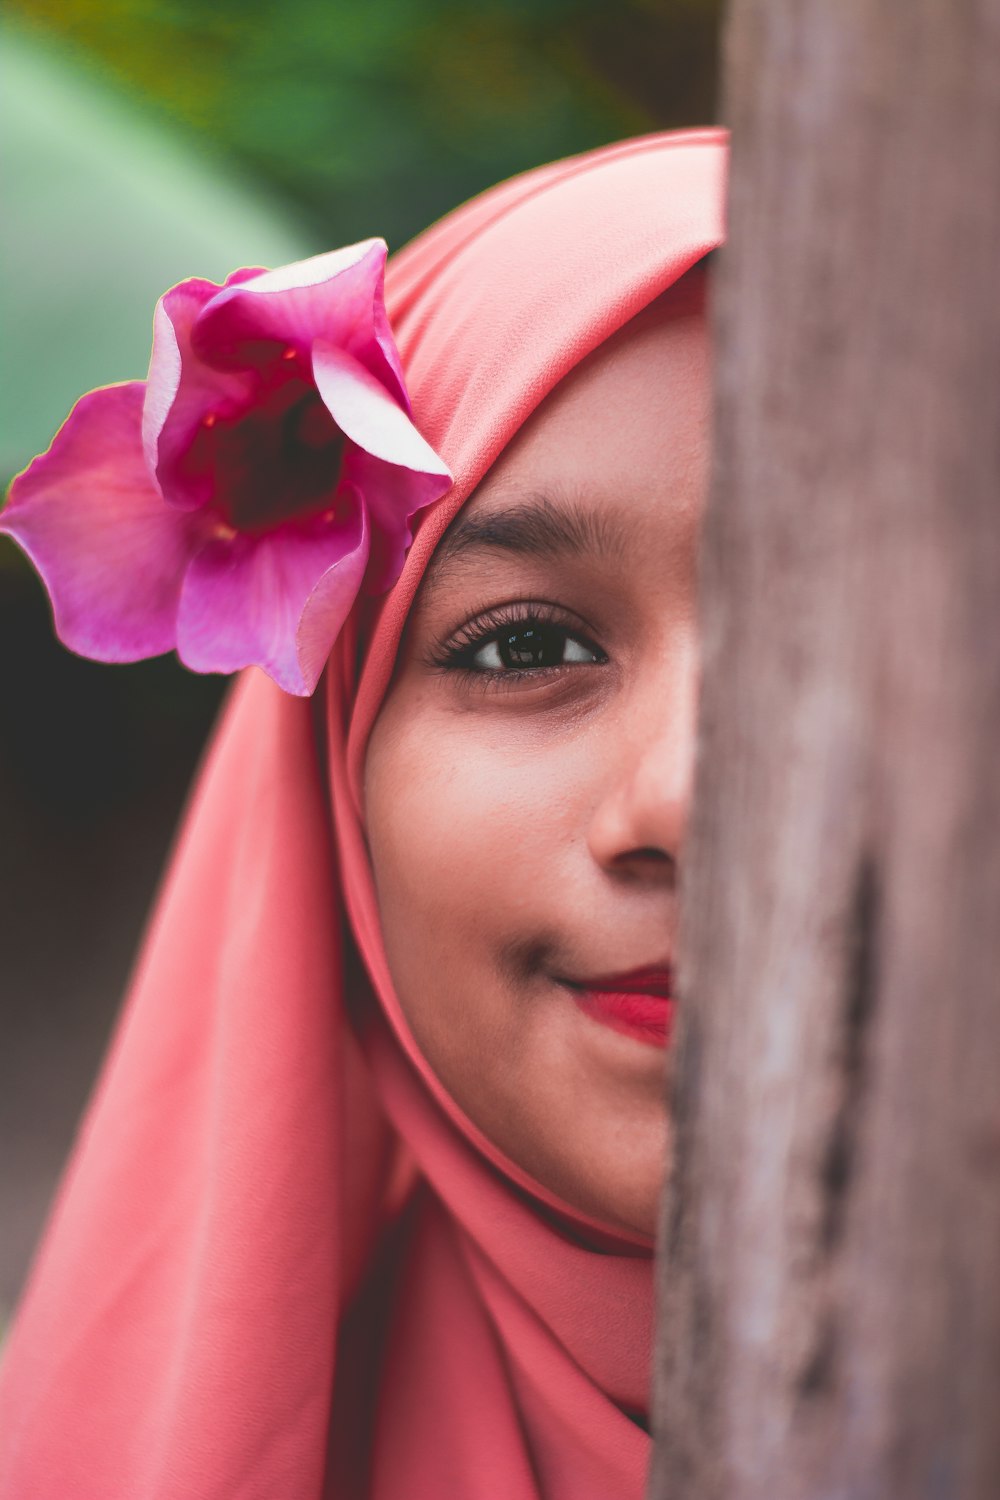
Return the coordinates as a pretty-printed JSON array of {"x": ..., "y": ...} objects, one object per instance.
[{"x": 282, "y": 1263}]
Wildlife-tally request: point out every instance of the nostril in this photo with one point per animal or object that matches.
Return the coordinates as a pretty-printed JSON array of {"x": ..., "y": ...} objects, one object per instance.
[
  {"x": 650, "y": 855},
  {"x": 647, "y": 862}
]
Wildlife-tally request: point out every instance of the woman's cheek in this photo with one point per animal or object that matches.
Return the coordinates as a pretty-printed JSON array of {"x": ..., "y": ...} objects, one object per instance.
[
  {"x": 429, "y": 825},
  {"x": 463, "y": 833},
  {"x": 443, "y": 824}
]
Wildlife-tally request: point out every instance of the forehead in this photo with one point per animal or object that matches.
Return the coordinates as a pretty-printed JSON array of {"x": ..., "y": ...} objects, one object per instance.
[
  {"x": 612, "y": 466},
  {"x": 631, "y": 420}
]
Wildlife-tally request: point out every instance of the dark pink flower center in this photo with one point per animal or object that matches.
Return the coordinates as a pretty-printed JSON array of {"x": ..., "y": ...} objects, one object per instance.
[{"x": 277, "y": 461}]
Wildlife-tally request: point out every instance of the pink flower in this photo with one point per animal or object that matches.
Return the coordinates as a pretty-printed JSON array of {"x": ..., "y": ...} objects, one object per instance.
[{"x": 232, "y": 504}]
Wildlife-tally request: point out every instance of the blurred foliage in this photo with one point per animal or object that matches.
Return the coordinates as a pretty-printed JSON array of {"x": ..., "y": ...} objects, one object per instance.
[
  {"x": 376, "y": 116},
  {"x": 104, "y": 210}
]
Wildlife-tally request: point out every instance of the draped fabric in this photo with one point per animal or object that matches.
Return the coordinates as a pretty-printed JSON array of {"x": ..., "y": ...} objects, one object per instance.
[{"x": 283, "y": 1264}]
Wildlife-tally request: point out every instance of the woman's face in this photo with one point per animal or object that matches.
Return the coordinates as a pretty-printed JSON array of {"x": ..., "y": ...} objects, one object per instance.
[{"x": 528, "y": 778}]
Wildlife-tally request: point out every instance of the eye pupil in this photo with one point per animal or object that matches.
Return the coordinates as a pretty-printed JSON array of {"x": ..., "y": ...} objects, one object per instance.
[
  {"x": 531, "y": 647},
  {"x": 521, "y": 645}
]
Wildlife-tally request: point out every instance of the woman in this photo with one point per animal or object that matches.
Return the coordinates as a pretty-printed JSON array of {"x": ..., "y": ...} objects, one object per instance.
[{"x": 364, "y": 1203}]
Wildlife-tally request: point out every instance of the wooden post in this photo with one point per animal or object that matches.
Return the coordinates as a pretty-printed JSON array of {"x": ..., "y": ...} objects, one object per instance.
[{"x": 830, "y": 1275}]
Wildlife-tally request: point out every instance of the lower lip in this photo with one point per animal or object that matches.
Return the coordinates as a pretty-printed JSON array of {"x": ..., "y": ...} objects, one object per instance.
[{"x": 646, "y": 1018}]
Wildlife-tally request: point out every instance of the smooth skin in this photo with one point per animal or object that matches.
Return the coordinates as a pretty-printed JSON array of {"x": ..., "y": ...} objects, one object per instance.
[{"x": 529, "y": 776}]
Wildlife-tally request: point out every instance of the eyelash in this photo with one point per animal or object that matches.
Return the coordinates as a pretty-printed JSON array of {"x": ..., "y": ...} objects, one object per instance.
[{"x": 458, "y": 654}]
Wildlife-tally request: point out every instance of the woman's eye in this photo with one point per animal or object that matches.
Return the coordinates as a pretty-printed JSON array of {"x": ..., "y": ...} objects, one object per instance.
[{"x": 523, "y": 647}]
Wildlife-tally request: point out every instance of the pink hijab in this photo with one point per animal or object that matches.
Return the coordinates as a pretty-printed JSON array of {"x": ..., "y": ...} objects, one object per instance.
[{"x": 283, "y": 1264}]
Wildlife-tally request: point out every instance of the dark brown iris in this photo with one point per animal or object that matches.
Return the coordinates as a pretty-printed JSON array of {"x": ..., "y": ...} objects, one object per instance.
[{"x": 532, "y": 646}]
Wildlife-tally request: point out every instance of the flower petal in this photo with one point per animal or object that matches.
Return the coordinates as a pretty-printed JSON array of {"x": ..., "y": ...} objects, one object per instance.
[
  {"x": 331, "y": 600},
  {"x": 364, "y": 410},
  {"x": 393, "y": 495},
  {"x": 181, "y": 391},
  {"x": 336, "y": 297},
  {"x": 274, "y": 601},
  {"x": 111, "y": 554},
  {"x": 396, "y": 470}
]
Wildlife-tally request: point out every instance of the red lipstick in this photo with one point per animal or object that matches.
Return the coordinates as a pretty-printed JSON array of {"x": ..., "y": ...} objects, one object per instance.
[{"x": 639, "y": 1004}]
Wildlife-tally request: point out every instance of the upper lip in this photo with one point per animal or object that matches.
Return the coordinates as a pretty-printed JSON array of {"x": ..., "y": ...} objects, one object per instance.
[{"x": 653, "y": 979}]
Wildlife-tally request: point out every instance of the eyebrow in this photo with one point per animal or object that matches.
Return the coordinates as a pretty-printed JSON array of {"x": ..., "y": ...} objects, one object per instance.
[{"x": 535, "y": 526}]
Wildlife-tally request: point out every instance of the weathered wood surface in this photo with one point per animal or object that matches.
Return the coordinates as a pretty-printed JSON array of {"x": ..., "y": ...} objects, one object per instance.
[{"x": 830, "y": 1273}]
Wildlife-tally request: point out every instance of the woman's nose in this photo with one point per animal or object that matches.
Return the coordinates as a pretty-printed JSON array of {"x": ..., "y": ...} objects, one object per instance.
[{"x": 640, "y": 820}]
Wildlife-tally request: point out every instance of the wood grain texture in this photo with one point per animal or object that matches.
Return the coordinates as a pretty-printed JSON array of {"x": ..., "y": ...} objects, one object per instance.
[{"x": 830, "y": 1267}]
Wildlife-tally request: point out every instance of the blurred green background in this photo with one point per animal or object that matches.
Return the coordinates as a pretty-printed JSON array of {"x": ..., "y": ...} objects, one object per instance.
[{"x": 146, "y": 141}]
